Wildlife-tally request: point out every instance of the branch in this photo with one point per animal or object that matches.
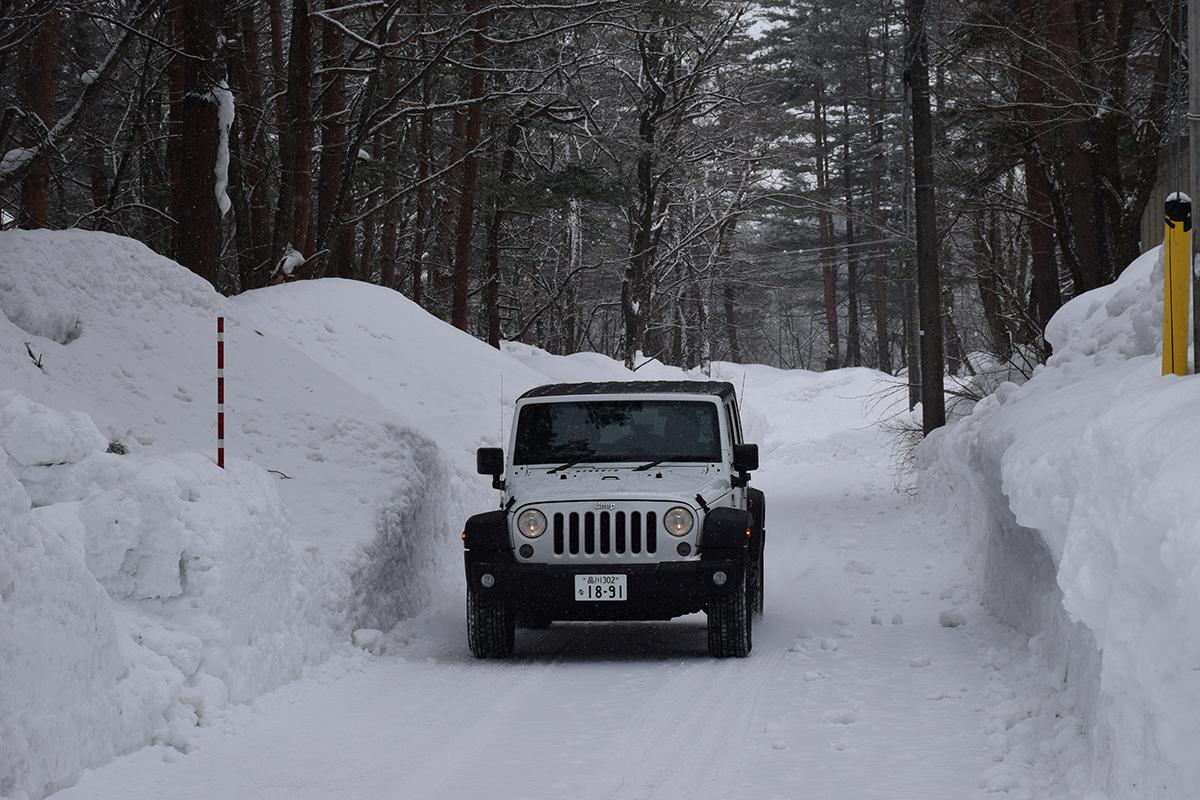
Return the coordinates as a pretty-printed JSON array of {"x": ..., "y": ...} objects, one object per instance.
[{"x": 14, "y": 169}]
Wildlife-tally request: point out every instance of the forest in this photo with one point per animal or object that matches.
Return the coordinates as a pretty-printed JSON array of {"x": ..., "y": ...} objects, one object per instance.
[{"x": 683, "y": 180}]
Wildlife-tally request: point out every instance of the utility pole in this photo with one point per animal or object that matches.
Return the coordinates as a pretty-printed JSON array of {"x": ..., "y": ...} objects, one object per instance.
[
  {"x": 929, "y": 291},
  {"x": 1193, "y": 52}
]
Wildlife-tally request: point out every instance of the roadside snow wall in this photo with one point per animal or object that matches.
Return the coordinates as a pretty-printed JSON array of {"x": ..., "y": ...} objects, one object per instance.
[
  {"x": 1080, "y": 490},
  {"x": 139, "y": 594}
]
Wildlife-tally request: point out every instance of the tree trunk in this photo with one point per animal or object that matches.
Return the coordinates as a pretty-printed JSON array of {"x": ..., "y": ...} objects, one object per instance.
[
  {"x": 729, "y": 299},
  {"x": 492, "y": 294},
  {"x": 331, "y": 233},
  {"x": 853, "y": 348},
  {"x": 97, "y": 150},
  {"x": 295, "y": 190},
  {"x": 1081, "y": 228},
  {"x": 952, "y": 342},
  {"x": 988, "y": 279},
  {"x": 198, "y": 241},
  {"x": 929, "y": 294},
  {"x": 280, "y": 227},
  {"x": 39, "y": 86},
  {"x": 256, "y": 163},
  {"x": 825, "y": 223},
  {"x": 1045, "y": 294},
  {"x": 366, "y": 266},
  {"x": 635, "y": 285},
  {"x": 470, "y": 168},
  {"x": 876, "y": 110},
  {"x": 388, "y": 154},
  {"x": 423, "y": 198},
  {"x": 253, "y": 221}
]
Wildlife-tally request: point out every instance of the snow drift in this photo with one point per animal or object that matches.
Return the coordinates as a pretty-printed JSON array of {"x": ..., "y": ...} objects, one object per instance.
[
  {"x": 140, "y": 592},
  {"x": 1079, "y": 488}
]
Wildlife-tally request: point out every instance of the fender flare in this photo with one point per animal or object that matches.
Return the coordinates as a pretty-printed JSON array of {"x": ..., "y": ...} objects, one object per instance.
[
  {"x": 724, "y": 532},
  {"x": 487, "y": 533}
]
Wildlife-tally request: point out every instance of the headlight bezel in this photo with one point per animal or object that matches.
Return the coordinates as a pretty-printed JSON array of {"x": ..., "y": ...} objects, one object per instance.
[
  {"x": 531, "y": 514},
  {"x": 686, "y": 514}
]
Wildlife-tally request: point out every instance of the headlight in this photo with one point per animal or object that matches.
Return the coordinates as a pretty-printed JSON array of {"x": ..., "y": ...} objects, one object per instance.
[
  {"x": 531, "y": 523},
  {"x": 678, "y": 521}
]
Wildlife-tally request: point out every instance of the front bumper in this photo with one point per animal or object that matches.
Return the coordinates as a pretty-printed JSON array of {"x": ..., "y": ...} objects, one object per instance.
[{"x": 655, "y": 591}]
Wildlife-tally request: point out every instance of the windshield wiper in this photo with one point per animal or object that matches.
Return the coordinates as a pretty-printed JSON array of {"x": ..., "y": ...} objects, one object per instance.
[
  {"x": 663, "y": 460},
  {"x": 569, "y": 464}
]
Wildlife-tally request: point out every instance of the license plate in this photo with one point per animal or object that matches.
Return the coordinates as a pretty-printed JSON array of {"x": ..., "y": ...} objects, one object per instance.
[{"x": 600, "y": 587}]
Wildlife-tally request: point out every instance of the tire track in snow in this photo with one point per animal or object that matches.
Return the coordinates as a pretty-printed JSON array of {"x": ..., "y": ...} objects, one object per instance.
[
  {"x": 710, "y": 720},
  {"x": 493, "y": 708}
]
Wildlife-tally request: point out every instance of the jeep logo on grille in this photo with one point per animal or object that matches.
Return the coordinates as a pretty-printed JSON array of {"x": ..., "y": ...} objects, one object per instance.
[{"x": 604, "y": 506}]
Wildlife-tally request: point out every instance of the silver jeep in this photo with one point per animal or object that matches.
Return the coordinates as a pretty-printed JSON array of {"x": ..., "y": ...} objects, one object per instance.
[{"x": 621, "y": 501}]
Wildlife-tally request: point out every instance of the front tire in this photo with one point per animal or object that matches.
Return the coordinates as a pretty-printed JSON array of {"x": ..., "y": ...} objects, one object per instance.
[
  {"x": 491, "y": 627},
  {"x": 760, "y": 573},
  {"x": 730, "y": 622}
]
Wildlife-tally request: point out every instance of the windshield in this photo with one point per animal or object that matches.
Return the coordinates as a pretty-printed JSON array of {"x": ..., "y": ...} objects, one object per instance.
[{"x": 618, "y": 430}]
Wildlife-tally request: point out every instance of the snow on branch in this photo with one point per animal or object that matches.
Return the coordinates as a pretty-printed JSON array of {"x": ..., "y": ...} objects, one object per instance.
[
  {"x": 15, "y": 163},
  {"x": 223, "y": 98}
]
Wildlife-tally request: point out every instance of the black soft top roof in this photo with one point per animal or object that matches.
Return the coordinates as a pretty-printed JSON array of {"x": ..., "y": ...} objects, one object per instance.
[{"x": 721, "y": 389}]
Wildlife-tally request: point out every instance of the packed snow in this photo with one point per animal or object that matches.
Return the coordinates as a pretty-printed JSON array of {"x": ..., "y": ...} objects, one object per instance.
[
  {"x": 293, "y": 625},
  {"x": 1078, "y": 491}
]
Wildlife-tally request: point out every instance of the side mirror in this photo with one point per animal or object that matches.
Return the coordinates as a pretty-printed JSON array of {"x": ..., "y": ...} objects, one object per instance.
[
  {"x": 745, "y": 457},
  {"x": 490, "y": 461}
]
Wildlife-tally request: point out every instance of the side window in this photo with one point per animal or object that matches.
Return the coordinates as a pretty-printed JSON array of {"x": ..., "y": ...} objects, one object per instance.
[
  {"x": 737, "y": 424},
  {"x": 731, "y": 422}
]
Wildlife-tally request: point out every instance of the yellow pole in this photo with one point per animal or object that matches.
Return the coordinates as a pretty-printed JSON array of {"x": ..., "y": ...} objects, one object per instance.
[{"x": 1177, "y": 287}]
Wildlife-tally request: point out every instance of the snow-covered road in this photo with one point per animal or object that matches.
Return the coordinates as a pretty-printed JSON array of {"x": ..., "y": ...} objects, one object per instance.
[{"x": 854, "y": 689}]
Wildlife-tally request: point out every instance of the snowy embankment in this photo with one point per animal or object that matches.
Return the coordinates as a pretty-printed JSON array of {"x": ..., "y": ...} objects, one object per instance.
[
  {"x": 1079, "y": 488},
  {"x": 142, "y": 589}
]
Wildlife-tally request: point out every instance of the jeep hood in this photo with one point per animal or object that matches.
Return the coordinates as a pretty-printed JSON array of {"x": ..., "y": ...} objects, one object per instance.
[{"x": 604, "y": 483}]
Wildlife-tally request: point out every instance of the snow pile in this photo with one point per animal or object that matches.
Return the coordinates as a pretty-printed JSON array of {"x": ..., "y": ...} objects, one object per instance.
[
  {"x": 1079, "y": 487},
  {"x": 193, "y": 585},
  {"x": 139, "y": 594}
]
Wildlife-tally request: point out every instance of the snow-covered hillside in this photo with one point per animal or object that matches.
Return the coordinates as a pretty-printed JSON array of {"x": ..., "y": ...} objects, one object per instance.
[{"x": 1079, "y": 489}]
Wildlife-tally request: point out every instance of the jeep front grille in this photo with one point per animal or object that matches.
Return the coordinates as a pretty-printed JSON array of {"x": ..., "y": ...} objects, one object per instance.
[{"x": 605, "y": 533}]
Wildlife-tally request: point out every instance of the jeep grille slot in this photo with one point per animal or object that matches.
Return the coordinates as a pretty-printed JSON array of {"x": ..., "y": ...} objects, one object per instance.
[
  {"x": 589, "y": 533},
  {"x": 574, "y": 533},
  {"x": 605, "y": 533}
]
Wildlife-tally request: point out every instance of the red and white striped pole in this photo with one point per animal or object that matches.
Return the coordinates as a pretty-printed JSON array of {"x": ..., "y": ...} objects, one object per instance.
[{"x": 221, "y": 392}]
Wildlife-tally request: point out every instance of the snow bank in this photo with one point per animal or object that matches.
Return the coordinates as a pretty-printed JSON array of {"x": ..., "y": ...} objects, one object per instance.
[
  {"x": 143, "y": 591},
  {"x": 138, "y": 595},
  {"x": 1079, "y": 488}
]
